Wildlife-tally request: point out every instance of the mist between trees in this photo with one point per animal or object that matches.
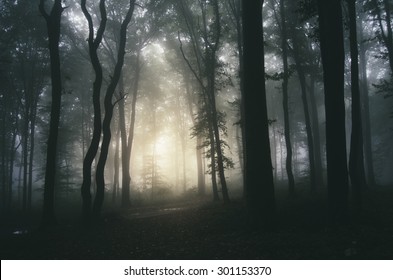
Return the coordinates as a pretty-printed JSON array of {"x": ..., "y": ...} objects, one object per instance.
[{"x": 112, "y": 104}]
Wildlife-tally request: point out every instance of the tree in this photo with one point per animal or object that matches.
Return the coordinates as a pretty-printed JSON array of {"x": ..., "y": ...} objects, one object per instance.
[
  {"x": 300, "y": 69},
  {"x": 93, "y": 44},
  {"x": 332, "y": 52},
  {"x": 205, "y": 49},
  {"x": 287, "y": 133},
  {"x": 368, "y": 155},
  {"x": 235, "y": 13},
  {"x": 193, "y": 102},
  {"x": 356, "y": 159},
  {"x": 100, "y": 180},
  {"x": 24, "y": 71},
  {"x": 382, "y": 14},
  {"x": 53, "y": 20},
  {"x": 258, "y": 173}
]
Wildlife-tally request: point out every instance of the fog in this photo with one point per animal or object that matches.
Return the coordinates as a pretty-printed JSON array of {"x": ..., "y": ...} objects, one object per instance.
[{"x": 157, "y": 115}]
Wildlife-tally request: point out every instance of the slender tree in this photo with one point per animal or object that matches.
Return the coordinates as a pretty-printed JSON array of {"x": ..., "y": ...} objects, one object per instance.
[
  {"x": 94, "y": 44},
  {"x": 356, "y": 159},
  {"x": 285, "y": 99},
  {"x": 205, "y": 51},
  {"x": 108, "y": 104},
  {"x": 368, "y": 154},
  {"x": 53, "y": 20},
  {"x": 295, "y": 35}
]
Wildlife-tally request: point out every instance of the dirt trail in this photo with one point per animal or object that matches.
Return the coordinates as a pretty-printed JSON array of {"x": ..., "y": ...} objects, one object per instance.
[{"x": 159, "y": 210}]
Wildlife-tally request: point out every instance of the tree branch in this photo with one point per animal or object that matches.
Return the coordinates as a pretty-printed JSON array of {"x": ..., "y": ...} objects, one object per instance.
[{"x": 188, "y": 62}]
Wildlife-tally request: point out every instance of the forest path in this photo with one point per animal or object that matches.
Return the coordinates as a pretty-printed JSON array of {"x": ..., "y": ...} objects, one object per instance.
[{"x": 149, "y": 211}]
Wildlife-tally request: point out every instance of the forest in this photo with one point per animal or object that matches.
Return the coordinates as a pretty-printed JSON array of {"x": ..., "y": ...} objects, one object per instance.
[{"x": 196, "y": 129}]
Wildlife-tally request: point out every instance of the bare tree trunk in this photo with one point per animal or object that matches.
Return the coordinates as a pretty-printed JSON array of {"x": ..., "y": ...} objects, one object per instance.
[
  {"x": 12, "y": 163},
  {"x": 356, "y": 159},
  {"x": 310, "y": 138},
  {"x": 93, "y": 43},
  {"x": 235, "y": 8},
  {"x": 116, "y": 166},
  {"x": 201, "y": 173},
  {"x": 25, "y": 138},
  {"x": 100, "y": 180},
  {"x": 33, "y": 117},
  {"x": 125, "y": 160},
  {"x": 213, "y": 165},
  {"x": 212, "y": 103},
  {"x": 53, "y": 27},
  {"x": 366, "y": 111},
  {"x": 198, "y": 148},
  {"x": 258, "y": 173},
  {"x": 126, "y": 188},
  {"x": 332, "y": 50},
  {"x": 316, "y": 134},
  {"x": 287, "y": 133}
]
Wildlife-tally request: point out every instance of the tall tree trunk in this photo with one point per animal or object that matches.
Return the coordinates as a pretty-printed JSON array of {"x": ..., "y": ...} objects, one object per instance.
[
  {"x": 126, "y": 202},
  {"x": 287, "y": 133},
  {"x": 201, "y": 174},
  {"x": 153, "y": 157},
  {"x": 25, "y": 138},
  {"x": 368, "y": 154},
  {"x": 198, "y": 148},
  {"x": 274, "y": 152},
  {"x": 100, "y": 180},
  {"x": 332, "y": 51},
  {"x": 3, "y": 154},
  {"x": 356, "y": 159},
  {"x": 212, "y": 102},
  {"x": 12, "y": 162},
  {"x": 116, "y": 165},
  {"x": 91, "y": 153},
  {"x": 235, "y": 7},
  {"x": 213, "y": 164},
  {"x": 218, "y": 146},
  {"x": 125, "y": 160},
  {"x": 316, "y": 133},
  {"x": 31, "y": 156},
  {"x": 258, "y": 177},
  {"x": 53, "y": 27},
  {"x": 307, "y": 118}
]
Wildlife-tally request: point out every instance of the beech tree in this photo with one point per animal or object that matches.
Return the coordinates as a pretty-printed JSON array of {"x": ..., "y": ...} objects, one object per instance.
[
  {"x": 108, "y": 104},
  {"x": 204, "y": 51},
  {"x": 356, "y": 158},
  {"x": 258, "y": 179},
  {"x": 53, "y": 19},
  {"x": 91, "y": 153},
  {"x": 332, "y": 51}
]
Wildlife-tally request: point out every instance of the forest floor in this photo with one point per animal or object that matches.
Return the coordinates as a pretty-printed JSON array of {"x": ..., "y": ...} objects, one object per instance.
[{"x": 206, "y": 230}]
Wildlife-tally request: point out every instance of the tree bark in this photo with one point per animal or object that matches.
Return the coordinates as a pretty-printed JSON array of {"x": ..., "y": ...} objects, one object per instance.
[
  {"x": 366, "y": 112},
  {"x": 316, "y": 133},
  {"x": 53, "y": 27},
  {"x": 332, "y": 51},
  {"x": 125, "y": 160},
  {"x": 356, "y": 159},
  {"x": 287, "y": 133},
  {"x": 100, "y": 180},
  {"x": 116, "y": 165},
  {"x": 93, "y": 43},
  {"x": 126, "y": 202},
  {"x": 212, "y": 101},
  {"x": 258, "y": 177},
  {"x": 310, "y": 139}
]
